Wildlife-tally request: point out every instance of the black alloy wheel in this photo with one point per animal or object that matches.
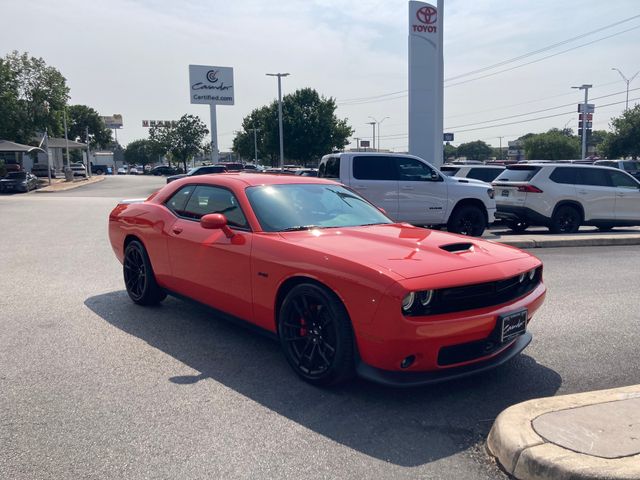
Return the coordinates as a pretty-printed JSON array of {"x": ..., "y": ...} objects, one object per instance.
[
  {"x": 316, "y": 336},
  {"x": 566, "y": 219},
  {"x": 139, "y": 278},
  {"x": 467, "y": 220}
]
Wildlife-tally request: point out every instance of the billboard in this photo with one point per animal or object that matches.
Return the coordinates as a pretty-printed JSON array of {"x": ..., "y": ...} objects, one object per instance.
[
  {"x": 211, "y": 85},
  {"x": 113, "y": 121}
]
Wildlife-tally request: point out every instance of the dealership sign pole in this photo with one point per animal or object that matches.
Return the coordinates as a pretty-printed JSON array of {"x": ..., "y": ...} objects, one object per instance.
[
  {"x": 426, "y": 81},
  {"x": 212, "y": 86}
]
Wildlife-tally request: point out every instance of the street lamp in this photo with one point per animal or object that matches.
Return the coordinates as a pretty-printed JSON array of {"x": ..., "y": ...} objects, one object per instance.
[
  {"x": 377, "y": 122},
  {"x": 280, "y": 75},
  {"x": 586, "y": 88},
  {"x": 373, "y": 126},
  {"x": 628, "y": 80}
]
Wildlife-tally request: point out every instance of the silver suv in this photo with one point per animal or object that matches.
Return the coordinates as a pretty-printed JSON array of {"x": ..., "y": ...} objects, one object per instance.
[{"x": 564, "y": 196}]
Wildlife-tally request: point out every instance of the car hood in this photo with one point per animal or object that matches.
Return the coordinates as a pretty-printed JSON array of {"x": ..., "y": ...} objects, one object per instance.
[
  {"x": 405, "y": 250},
  {"x": 12, "y": 180},
  {"x": 177, "y": 177}
]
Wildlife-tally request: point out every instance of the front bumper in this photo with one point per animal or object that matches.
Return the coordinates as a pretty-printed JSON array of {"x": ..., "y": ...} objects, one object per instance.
[{"x": 416, "y": 379}]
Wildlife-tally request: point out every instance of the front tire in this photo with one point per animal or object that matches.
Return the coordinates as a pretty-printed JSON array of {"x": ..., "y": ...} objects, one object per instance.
[
  {"x": 316, "y": 335},
  {"x": 467, "y": 220},
  {"x": 566, "y": 219},
  {"x": 139, "y": 278}
]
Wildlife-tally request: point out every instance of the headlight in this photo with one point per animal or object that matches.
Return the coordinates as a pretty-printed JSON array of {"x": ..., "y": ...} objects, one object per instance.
[
  {"x": 532, "y": 273},
  {"x": 426, "y": 297},
  {"x": 407, "y": 301},
  {"x": 491, "y": 192}
]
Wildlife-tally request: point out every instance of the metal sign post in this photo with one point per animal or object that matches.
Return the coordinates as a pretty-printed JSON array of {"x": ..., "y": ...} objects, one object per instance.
[{"x": 214, "y": 134}]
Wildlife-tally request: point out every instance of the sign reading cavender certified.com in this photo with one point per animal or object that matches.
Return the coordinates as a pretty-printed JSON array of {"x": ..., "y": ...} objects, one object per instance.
[{"x": 211, "y": 85}]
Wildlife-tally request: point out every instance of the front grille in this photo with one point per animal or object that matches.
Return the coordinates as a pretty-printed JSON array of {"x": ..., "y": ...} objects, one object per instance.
[
  {"x": 465, "y": 352},
  {"x": 469, "y": 297}
]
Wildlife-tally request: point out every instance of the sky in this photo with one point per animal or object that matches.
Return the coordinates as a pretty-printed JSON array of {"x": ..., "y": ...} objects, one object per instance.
[{"x": 132, "y": 57}]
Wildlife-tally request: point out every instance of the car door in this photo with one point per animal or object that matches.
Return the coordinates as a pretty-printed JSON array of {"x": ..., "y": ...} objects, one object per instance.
[
  {"x": 627, "y": 191},
  {"x": 422, "y": 197},
  {"x": 596, "y": 194},
  {"x": 375, "y": 178},
  {"x": 206, "y": 265}
]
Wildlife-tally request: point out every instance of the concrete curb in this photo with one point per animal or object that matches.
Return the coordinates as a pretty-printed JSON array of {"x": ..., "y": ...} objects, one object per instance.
[
  {"x": 528, "y": 456},
  {"x": 577, "y": 240},
  {"x": 63, "y": 187}
]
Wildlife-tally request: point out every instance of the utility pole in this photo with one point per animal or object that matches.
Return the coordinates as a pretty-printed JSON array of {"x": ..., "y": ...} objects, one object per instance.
[
  {"x": 86, "y": 131},
  {"x": 280, "y": 75},
  {"x": 357, "y": 139},
  {"x": 255, "y": 145},
  {"x": 628, "y": 81},
  {"x": 68, "y": 174},
  {"x": 373, "y": 125},
  {"x": 378, "y": 123},
  {"x": 500, "y": 147},
  {"x": 586, "y": 88}
]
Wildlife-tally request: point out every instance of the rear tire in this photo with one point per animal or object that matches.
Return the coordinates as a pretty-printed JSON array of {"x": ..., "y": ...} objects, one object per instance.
[
  {"x": 566, "y": 219},
  {"x": 316, "y": 335},
  {"x": 139, "y": 278},
  {"x": 467, "y": 220}
]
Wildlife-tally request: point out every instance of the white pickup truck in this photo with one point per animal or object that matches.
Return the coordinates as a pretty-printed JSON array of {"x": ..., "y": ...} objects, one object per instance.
[{"x": 410, "y": 190}]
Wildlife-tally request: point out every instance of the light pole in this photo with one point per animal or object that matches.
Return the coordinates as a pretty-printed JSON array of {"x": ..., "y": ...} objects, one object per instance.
[
  {"x": 280, "y": 75},
  {"x": 68, "y": 174},
  {"x": 378, "y": 123},
  {"x": 500, "y": 147},
  {"x": 628, "y": 80},
  {"x": 255, "y": 145},
  {"x": 586, "y": 88}
]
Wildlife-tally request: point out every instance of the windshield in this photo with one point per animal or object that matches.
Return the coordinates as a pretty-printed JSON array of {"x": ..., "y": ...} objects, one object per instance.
[
  {"x": 518, "y": 174},
  {"x": 303, "y": 206},
  {"x": 17, "y": 175}
]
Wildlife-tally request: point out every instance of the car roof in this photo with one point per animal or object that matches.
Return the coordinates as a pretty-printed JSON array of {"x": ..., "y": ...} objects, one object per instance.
[{"x": 255, "y": 179}]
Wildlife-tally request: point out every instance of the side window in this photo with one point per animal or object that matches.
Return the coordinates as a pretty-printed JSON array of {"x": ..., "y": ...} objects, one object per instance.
[
  {"x": 596, "y": 177},
  {"x": 485, "y": 174},
  {"x": 410, "y": 169},
  {"x": 373, "y": 167},
  {"x": 619, "y": 179},
  {"x": 450, "y": 171},
  {"x": 207, "y": 199},
  {"x": 179, "y": 200},
  {"x": 563, "y": 175},
  {"x": 330, "y": 169}
]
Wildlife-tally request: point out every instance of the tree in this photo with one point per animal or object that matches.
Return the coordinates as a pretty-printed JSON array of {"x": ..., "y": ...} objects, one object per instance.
[
  {"x": 140, "y": 152},
  {"x": 81, "y": 117},
  {"x": 449, "y": 151},
  {"x": 182, "y": 141},
  {"x": 624, "y": 140},
  {"x": 310, "y": 128},
  {"x": 32, "y": 97},
  {"x": 477, "y": 150},
  {"x": 552, "y": 145}
]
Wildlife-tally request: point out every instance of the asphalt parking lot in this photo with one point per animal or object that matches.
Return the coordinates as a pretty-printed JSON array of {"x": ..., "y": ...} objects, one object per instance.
[{"x": 93, "y": 386}]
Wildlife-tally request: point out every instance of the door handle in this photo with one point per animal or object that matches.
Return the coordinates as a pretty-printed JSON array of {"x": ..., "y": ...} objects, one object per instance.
[
  {"x": 177, "y": 230},
  {"x": 582, "y": 192},
  {"x": 406, "y": 187},
  {"x": 621, "y": 195}
]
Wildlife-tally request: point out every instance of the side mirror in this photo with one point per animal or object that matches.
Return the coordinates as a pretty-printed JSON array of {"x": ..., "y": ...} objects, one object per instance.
[
  {"x": 216, "y": 221},
  {"x": 434, "y": 175}
]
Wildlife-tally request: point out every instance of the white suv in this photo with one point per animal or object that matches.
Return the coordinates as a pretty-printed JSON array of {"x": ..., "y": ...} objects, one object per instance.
[
  {"x": 563, "y": 197},
  {"x": 411, "y": 190},
  {"x": 485, "y": 173}
]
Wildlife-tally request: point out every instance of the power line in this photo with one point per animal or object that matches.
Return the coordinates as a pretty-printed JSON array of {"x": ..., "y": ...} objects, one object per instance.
[
  {"x": 542, "y": 58},
  {"x": 543, "y": 49}
]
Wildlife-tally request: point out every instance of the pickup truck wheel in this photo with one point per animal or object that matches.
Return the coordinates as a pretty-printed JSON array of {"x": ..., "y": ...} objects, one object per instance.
[
  {"x": 467, "y": 220},
  {"x": 139, "y": 278},
  {"x": 566, "y": 219},
  {"x": 316, "y": 336}
]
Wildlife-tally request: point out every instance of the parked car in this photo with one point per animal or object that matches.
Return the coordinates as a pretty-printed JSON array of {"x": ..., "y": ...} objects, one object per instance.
[
  {"x": 204, "y": 170},
  {"x": 411, "y": 190},
  {"x": 344, "y": 288},
  {"x": 563, "y": 197},
  {"x": 632, "y": 167},
  {"x": 165, "y": 170},
  {"x": 486, "y": 173},
  {"x": 18, "y": 182},
  {"x": 41, "y": 170},
  {"x": 232, "y": 166},
  {"x": 78, "y": 169},
  {"x": 122, "y": 170},
  {"x": 307, "y": 172},
  {"x": 101, "y": 169},
  {"x": 134, "y": 171}
]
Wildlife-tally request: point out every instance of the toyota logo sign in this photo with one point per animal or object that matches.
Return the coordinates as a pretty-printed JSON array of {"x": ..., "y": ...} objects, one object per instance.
[{"x": 427, "y": 15}]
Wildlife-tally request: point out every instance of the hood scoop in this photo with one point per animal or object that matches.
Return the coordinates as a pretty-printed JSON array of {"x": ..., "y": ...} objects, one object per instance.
[{"x": 458, "y": 247}]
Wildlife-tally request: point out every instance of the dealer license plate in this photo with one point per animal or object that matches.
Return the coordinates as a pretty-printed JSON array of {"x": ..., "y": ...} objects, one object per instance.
[{"x": 512, "y": 325}]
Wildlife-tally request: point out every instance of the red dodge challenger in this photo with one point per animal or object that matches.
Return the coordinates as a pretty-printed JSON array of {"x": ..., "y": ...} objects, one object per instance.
[{"x": 344, "y": 288}]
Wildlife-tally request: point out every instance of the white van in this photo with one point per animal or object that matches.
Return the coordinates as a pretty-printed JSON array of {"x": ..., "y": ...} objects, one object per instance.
[{"x": 410, "y": 190}]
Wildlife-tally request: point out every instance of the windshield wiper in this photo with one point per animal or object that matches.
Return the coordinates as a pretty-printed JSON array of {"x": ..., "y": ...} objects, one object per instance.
[{"x": 299, "y": 227}]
